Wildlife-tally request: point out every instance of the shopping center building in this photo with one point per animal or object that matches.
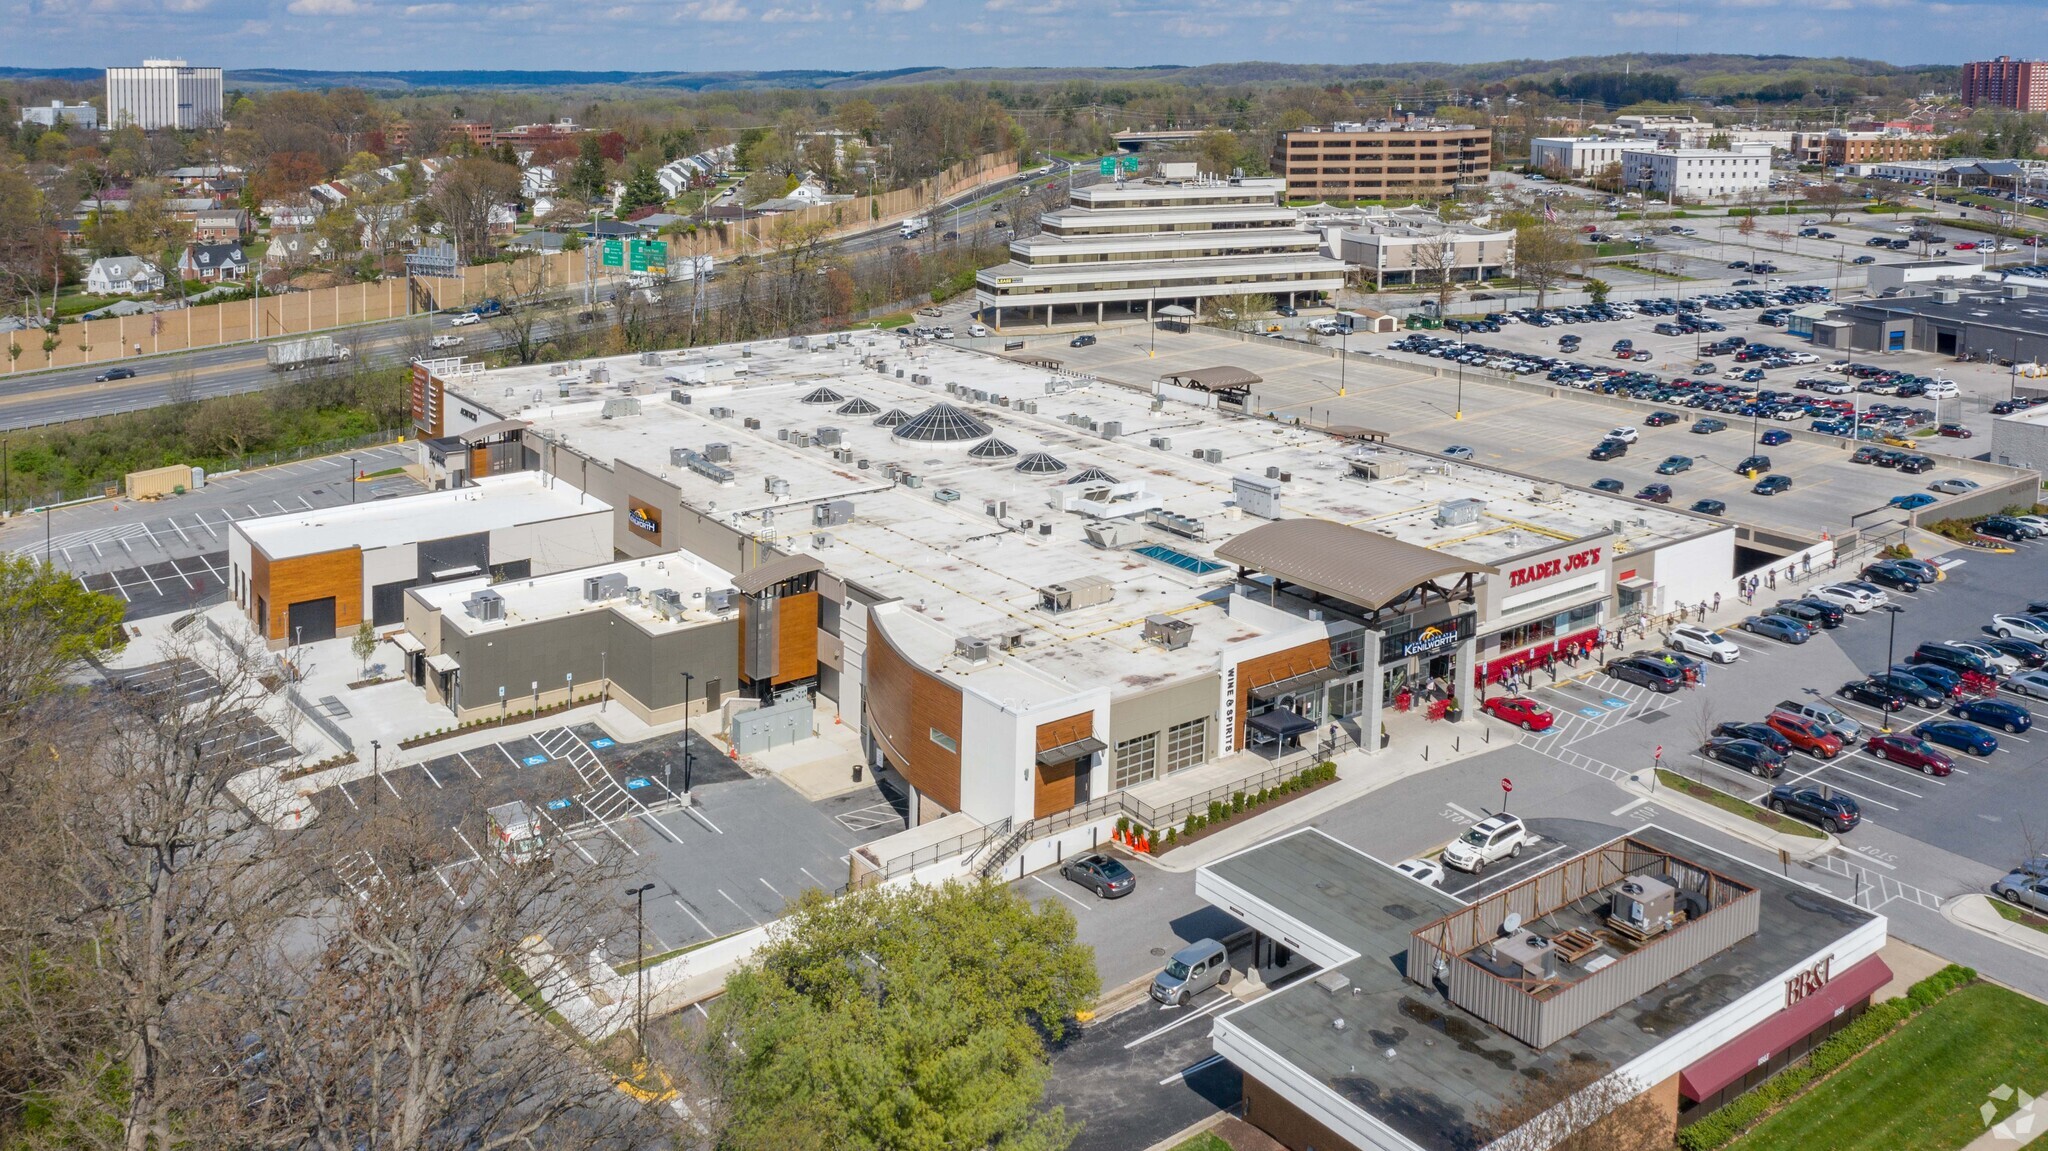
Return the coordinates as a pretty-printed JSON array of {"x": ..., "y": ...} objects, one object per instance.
[
  {"x": 1659, "y": 965},
  {"x": 1027, "y": 589}
]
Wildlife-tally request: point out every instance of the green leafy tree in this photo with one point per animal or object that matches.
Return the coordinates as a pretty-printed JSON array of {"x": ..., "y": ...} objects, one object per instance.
[
  {"x": 364, "y": 644},
  {"x": 642, "y": 190},
  {"x": 49, "y": 624},
  {"x": 1598, "y": 289},
  {"x": 901, "y": 1018},
  {"x": 587, "y": 179}
]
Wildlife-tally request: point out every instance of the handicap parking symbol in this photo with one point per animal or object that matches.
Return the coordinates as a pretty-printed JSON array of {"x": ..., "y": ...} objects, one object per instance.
[
  {"x": 637, "y": 782},
  {"x": 1592, "y": 711},
  {"x": 562, "y": 804},
  {"x": 1614, "y": 703},
  {"x": 602, "y": 742},
  {"x": 534, "y": 760}
]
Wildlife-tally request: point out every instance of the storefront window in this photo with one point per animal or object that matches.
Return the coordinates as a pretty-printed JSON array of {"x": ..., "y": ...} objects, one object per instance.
[
  {"x": 1137, "y": 760},
  {"x": 1187, "y": 744},
  {"x": 1549, "y": 627}
]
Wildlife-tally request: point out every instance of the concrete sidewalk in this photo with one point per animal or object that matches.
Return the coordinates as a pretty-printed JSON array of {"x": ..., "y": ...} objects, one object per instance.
[{"x": 1977, "y": 913}]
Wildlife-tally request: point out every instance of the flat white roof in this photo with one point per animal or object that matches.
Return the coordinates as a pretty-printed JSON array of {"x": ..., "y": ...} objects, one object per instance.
[
  {"x": 973, "y": 542},
  {"x": 495, "y": 502},
  {"x": 561, "y": 594}
]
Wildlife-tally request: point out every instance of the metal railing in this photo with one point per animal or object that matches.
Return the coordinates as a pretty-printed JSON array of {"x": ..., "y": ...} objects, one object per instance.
[
  {"x": 1176, "y": 813},
  {"x": 964, "y": 843},
  {"x": 323, "y": 722}
]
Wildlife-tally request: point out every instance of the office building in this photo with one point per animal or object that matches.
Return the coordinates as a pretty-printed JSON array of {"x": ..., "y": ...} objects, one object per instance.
[
  {"x": 2021, "y": 85},
  {"x": 1696, "y": 173},
  {"x": 164, "y": 94},
  {"x": 1178, "y": 239},
  {"x": 1411, "y": 246},
  {"x": 58, "y": 114},
  {"x": 1570, "y": 157},
  {"x": 1673, "y": 971},
  {"x": 1835, "y": 147},
  {"x": 1382, "y": 160}
]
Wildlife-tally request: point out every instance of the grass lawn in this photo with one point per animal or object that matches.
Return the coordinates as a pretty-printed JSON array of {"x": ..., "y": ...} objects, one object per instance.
[
  {"x": 1204, "y": 1142},
  {"x": 1783, "y": 824},
  {"x": 1920, "y": 1088},
  {"x": 2020, "y": 915}
]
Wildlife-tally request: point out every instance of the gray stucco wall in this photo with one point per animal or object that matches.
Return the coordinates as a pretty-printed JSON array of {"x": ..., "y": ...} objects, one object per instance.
[
  {"x": 1158, "y": 710},
  {"x": 591, "y": 645}
]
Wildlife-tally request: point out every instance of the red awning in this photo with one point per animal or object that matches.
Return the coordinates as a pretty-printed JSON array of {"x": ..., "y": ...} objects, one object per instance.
[{"x": 1771, "y": 1038}]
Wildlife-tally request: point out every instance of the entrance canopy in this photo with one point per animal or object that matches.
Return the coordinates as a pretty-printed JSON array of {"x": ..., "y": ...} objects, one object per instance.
[
  {"x": 1350, "y": 564},
  {"x": 1281, "y": 723}
]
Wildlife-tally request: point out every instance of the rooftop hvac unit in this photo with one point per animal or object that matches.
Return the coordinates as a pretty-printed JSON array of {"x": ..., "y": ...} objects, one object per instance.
[
  {"x": 667, "y": 602},
  {"x": 782, "y": 434},
  {"x": 718, "y": 453},
  {"x": 1643, "y": 906},
  {"x": 1030, "y": 407},
  {"x": 721, "y": 413},
  {"x": 912, "y": 481},
  {"x": 1168, "y": 632},
  {"x": 603, "y": 587},
  {"x": 684, "y": 457},
  {"x": 678, "y": 396},
  {"x": 860, "y": 464},
  {"x": 1213, "y": 455},
  {"x": 944, "y": 495},
  {"x": 1113, "y": 533},
  {"x": 1272, "y": 473},
  {"x": 827, "y": 437},
  {"x": 899, "y": 373},
  {"x": 1075, "y": 594},
  {"x": 486, "y": 605},
  {"x": 1179, "y": 525},
  {"x": 1111, "y": 429},
  {"x": 996, "y": 509},
  {"x": 1163, "y": 443},
  {"x": 2015, "y": 291},
  {"x": 1455, "y": 513},
  {"x": 1258, "y": 496},
  {"x": 778, "y": 487},
  {"x": 800, "y": 439},
  {"x": 720, "y": 598},
  {"x": 831, "y": 513},
  {"x": 971, "y": 648},
  {"x": 1378, "y": 467},
  {"x": 1945, "y": 295},
  {"x": 1045, "y": 529},
  {"x": 650, "y": 359},
  {"x": 768, "y": 483},
  {"x": 751, "y": 423},
  {"x": 620, "y": 408},
  {"x": 599, "y": 375},
  {"x": 980, "y": 395}
]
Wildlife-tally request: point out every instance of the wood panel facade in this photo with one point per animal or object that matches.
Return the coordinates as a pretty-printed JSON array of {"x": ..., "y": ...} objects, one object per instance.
[
  {"x": 1056, "y": 787},
  {"x": 275, "y": 585},
  {"x": 796, "y": 638},
  {"x": 905, "y": 705},
  {"x": 1264, "y": 669}
]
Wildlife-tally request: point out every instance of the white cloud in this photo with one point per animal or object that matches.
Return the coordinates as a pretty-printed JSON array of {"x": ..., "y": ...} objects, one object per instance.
[
  {"x": 715, "y": 11},
  {"x": 811, "y": 15},
  {"x": 186, "y": 5},
  {"x": 429, "y": 11},
  {"x": 1653, "y": 19},
  {"x": 896, "y": 5},
  {"x": 324, "y": 8}
]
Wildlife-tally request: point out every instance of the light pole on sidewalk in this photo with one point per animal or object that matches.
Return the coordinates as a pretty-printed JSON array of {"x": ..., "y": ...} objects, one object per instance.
[
  {"x": 1890, "y": 652},
  {"x": 639, "y": 895}
]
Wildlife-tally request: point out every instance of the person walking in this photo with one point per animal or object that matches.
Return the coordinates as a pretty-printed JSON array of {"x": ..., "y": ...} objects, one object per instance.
[
  {"x": 1717, "y": 602},
  {"x": 1703, "y": 611},
  {"x": 1806, "y": 564}
]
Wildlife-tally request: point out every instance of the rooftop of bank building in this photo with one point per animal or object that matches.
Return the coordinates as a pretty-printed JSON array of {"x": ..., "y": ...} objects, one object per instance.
[
  {"x": 1012, "y": 479},
  {"x": 634, "y": 589}
]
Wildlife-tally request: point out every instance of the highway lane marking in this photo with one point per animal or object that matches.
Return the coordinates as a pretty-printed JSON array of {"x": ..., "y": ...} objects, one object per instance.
[
  {"x": 1191, "y": 1069},
  {"x": 1063, "y": 895}
]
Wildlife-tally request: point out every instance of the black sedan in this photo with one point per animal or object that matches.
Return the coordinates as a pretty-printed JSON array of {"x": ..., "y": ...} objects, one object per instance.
[
  {"x": 1762, "y": 733},
  {"x": 1830, "y": 615},
  {"x": 1660, "y": 419},
  {"x": 1891, "y": 576},
  {"x": 1746, "y": 755},
  {"x": 1835, "y": 812},
  {"x": 1916, "y": 690},
  {"x": 2004, "y": 528},
  {"x": 115, "y": 374},
  {"x": 1608, "y": 485},
  {"x": 1708, "y": 426},
  {"x": 2029, "y": 653},
  {"x": 1710, "y": 507},
  {"x": 1772, "y": 485},
  {"x": 1995, "y": 713},
  {"x": 1106, "y": 877},
  {"x": 1877, "y": 695}
]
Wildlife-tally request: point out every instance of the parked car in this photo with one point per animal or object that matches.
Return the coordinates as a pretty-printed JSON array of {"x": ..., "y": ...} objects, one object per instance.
[
  {"x": 1772, "y": 485},
  {"x": 2023, "y": 889},
  {"x": 1774, "y": 437},
  {"x": 1951, "y": 657},
  {"x": 2031, "y": 684},
  {"x": 1777, "y": 627},
  {"x": 1700, "y": 640},
  {"x": 1746, "y": 755},
  {"x": 1422, "y": 871},
  {"x": 2001, "y": 663},
  {"x": 1955, "y": 431},
  {"x": 1806, "y": 617},
  {"x": 1927, "y": 572},
  {"x": 1909, "y": 751},
  {"x": 1762, "y": 733},
  {"x": 1458, "y": 452},
  {"x": 1673, "y": 465},
  {"x": 1646, "y": 671},
  {"x": 2009, "y": 717},
  {"x": 1913, "y": 502},
  {"x": 2030, "y": 654},
  {"x": 1710, "y": 507},
  {"x": 1836, "y": 812},
  {"x": 1953, "y": 486},
  {"x": 2022, "y": 626},
  {"x": 1192, "y": 970},
  {"x": 1959, "y": 734},
  {"x": 1892, "y": 576},
  {"x": 1808, "y": 735},
  {"x": 1521, "y": 711},
  {"x": 1105, "y": 875},
  {"x": 1753, "y": 466},
  {"x": 1916, "y": 690},
  {"x": 1488, "y": 841},
  {"x": 1655, "y": 493},
  {"x": 2005, "y": 528},
  {"x": 1845, "y": 597},
  {"x": 1661, "y": 419},
  {"x": 1834, "y": 719},
  {"x": 1607, "y": 450},
  {"x": 1081, "y": 341},
  {"x": 1608, "y": 485},
  {"x": 1874, "y": 693},
  {"x": 1946, "y": 680},
  {"x": 1708, "y": 426}
]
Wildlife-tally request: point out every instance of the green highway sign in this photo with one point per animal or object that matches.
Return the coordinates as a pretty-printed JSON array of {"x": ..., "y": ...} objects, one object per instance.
[
  {"x": 1130, "y": 164},
  {"x": 1107, "y": 166},
  {"x": 649, "y": 256},
  {"x": 614, "y": 254}
]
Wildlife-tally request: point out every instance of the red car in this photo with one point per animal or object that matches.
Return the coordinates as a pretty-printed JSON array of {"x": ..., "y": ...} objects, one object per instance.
[
  {"x": 1805, "y": 734},
  {"x": 1956, "y": 431},
  {"x": 1907, "y": 751},
  {"x": 1966, "y": 246},
  {"x": 1521, "y": 711}
]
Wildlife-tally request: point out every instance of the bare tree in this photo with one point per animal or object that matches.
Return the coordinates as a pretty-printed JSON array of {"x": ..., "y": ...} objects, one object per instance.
[
  {"x": 468, "y": 195},
  {"x": 1435, "y": 263},
  {"x": 1544, "y": 254},
  {"x": 1832, "y": 199}
]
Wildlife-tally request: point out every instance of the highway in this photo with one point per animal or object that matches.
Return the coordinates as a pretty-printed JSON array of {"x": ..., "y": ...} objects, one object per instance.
[{"x": 30, "y": 399}]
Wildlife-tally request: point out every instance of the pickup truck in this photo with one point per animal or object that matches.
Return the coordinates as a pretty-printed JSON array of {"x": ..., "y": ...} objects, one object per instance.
[{"x": 439, "y": 342}]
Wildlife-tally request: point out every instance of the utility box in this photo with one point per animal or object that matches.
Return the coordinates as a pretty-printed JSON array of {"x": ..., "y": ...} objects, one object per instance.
[{"x": 1258, "y": 496}]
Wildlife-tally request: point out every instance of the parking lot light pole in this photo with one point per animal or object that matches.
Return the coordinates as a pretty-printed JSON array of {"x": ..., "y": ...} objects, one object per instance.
[
  {"x": 351, "y": 479},
  {"x": 376, "y": 769},
  {"x": 1890, "y": 653},
  {"x": 1459, "y": 413},
  {"x": 688, "y": 679},
  {"x": 639, "y": 895}
]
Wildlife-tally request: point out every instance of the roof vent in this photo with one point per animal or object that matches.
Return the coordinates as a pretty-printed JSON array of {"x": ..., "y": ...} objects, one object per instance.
[{"x": 972, "y": 648}]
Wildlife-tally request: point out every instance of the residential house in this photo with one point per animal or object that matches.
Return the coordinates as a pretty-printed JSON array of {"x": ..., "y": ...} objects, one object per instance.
[
  {"x": 123, "y": 276},
  {"x": 294, "y": 250},
  {"x": 290, "y": 216},
  {"x": 540, "y": 242},
  {"x": 213, "y": 262},
  {"x": 220, "y": 226}
]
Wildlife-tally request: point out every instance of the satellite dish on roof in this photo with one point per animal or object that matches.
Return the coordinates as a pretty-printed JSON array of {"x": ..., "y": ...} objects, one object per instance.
[{"x": 1512, "y": 923}]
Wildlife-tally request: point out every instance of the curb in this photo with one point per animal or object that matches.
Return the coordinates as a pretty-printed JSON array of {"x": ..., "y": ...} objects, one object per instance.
[
  {"x": 1975, "y": 912},
  {"x": 1798, "y": 848}
]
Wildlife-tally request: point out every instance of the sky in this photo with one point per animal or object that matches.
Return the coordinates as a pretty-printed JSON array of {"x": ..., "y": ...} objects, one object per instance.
[{"x": 858, "y": 35}]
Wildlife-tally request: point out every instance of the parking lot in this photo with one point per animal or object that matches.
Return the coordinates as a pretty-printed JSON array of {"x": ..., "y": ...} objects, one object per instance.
[
  {"x": 729, "y": 857},
  {"x": 170, "y": 555},
  {"x": 178, "y": 683}
]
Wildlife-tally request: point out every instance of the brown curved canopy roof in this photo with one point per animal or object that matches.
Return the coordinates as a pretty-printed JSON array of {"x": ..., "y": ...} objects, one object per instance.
[{"x": 1352, "y": 564}]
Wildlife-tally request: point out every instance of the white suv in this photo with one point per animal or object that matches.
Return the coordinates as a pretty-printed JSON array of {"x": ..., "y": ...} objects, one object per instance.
[
  {"x": 1626, "y": 435},
  {"x": 1490, "y": 840},
  {"x": 1845, "y": 597},
  {"x": 1704, "y": 641}
]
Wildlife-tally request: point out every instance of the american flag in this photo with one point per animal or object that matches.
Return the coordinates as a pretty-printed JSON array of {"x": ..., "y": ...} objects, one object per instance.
[{"x": 1550, "y": 213}]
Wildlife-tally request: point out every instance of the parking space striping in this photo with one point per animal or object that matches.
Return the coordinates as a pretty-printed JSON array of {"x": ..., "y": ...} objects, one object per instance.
[
  {"x": 1873, "y": 889},
  {"x": 424, "y": 770},
  {"x": 474, "y": 853},
  {"x": 1493, "y": 874},
  {"x": 1461, "y": 811},
  {"x": 685, "y": 908},
  {"x": 736, "y": 903},
  {"x": 702, "y": 818},
  {"x": 1191, "y": 1070},
  {"x": 771, "y": 887},
  {"x": 870, "y": 817},
  {"x": 561, "y": 834},
  {"x": 385, "y": 776},
  {"x": 1222, "y": 1001},
  {"x": 568, "y": 746},
  {"x": 509, "y": 757},
  {"x": 472, "y": 767},
  {"x": 1070, "y": 898},
  {"x": 813, "y": 878}
]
